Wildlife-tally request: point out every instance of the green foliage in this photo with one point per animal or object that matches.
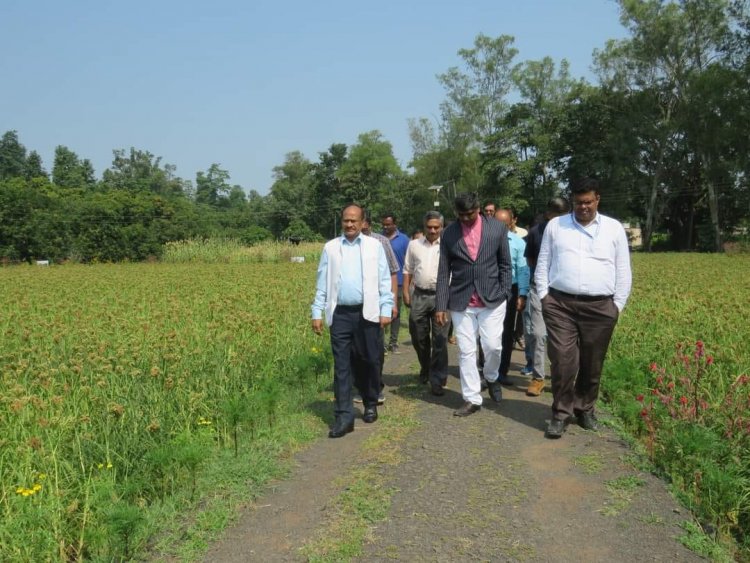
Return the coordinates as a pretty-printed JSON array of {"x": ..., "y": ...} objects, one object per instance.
[
  {"x": 677, "y": 378},
  {"x": 122, "y": 385}
]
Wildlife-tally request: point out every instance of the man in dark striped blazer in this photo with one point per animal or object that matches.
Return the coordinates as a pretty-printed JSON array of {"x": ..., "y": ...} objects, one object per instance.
[{"x": 473, "y": 284}]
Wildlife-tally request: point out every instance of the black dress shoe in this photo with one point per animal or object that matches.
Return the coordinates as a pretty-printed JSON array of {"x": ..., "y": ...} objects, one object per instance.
[
  {"x": 424, "y": 377},
  {"x": 587, "y": 421},
  {"x": 467, "y": 409},
  {"x": 555, "y": 429},
  {"x": 371, "y": 414},
  {"x": 505, "y": 380},
  {"x": 483, "y": 383},
  {"x": 437, "y": 389},
  {"x": 495, "y": 391},
  {"x": 339, "y": 429}
]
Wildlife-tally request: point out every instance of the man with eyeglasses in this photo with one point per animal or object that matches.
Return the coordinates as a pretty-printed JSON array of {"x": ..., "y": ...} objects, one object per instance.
[{"x": 583, "y": 279}]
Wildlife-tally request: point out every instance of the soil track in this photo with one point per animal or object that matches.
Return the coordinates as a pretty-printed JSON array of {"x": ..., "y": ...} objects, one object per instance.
[{"x": 488, "y": 487}]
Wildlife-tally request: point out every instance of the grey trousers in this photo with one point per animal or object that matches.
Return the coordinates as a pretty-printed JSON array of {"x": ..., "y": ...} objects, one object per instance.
[
  {"x": 430, "y": 340},
  {"x": 536, "y": 332}
]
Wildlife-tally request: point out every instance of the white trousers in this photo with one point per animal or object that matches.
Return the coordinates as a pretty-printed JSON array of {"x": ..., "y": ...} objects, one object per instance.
[{"x": 488, "y": 325}]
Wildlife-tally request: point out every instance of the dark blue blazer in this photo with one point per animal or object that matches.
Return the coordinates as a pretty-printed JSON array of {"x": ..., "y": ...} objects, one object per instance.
[{"x": 459, "y": 276}]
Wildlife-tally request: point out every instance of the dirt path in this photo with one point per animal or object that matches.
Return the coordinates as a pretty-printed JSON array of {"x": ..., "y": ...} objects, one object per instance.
[{"x": 489, "y": 487}]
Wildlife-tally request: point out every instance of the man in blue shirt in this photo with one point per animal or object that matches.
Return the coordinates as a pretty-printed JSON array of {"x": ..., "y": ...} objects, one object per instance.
[
  {"x": 399, "y": 242},
  {"x": 353, "y": 291},
  {"x": 520, "y": 287}
]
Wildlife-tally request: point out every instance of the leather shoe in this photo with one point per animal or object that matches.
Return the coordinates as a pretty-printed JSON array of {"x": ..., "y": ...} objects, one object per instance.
[
  {"x": 495, "y": 391},
  {"x": 555, "y": 429},
  {"x": 340, "y": 429},
  {"x": 467, "y": 409},
  {"x": 371, "y": 414},
  {"x": 437, "y": 389},
  {"x": 587, "y": 421},
  {"x": 505, "y": 380},
  {"x": 424, "y": 377}
]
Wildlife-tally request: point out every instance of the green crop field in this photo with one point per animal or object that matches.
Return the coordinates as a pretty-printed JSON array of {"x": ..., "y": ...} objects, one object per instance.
[
  {"x": 137, "y": 401},
  {"x": 133, "y": 393}
]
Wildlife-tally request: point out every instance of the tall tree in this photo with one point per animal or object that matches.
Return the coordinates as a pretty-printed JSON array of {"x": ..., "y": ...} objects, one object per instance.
[
  {"x": 12, "y": 156},
  {"x": 370, "y": 175},
  {"x": 670, "y": 45},
  {"x": 34, "y": 167},
  {"x": 212, "y": 187},
  {"x": 290, "y": 196},
  {"x": 69, "y": 171}
]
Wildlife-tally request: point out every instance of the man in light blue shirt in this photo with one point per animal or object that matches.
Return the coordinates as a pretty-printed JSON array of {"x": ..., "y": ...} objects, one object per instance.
[
  {"x": 353, "y": 292},
  {"x": 520, "y": 288}
]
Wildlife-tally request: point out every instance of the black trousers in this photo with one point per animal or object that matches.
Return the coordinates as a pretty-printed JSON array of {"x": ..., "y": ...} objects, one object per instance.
[
  {"x": 356, "y": 344},
  {"x": 509, "y": 331},
  {"x": 430, "y": 340}
]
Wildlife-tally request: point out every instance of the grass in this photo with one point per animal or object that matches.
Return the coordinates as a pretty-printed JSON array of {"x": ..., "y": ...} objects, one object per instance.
[
  {"x": 230, "y": 251},
  {"x": 365, "y": 499},
  {"x": 590, "y": 463}
]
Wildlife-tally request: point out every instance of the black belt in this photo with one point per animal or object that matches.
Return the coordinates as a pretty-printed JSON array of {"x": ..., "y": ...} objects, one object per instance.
[
  {"x": 562, "y": 294},
  {"x": 422, "y": 290},
  {"x": 349, "y": 308}
]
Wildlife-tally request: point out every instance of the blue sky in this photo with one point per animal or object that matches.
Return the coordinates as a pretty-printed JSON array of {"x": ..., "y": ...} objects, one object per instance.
[{"x": 243, "y": 83}]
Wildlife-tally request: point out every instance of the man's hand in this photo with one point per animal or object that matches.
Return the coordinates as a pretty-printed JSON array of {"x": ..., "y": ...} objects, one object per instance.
[
  {"x": 394, "y": 312},
  {"x": 317, "y": 326},
  {"x": 441, "y": 318},
  {"x": 385, "y": 321},
  {"x": 406, "y": 297},
  {"x": 521, "y": 303}
]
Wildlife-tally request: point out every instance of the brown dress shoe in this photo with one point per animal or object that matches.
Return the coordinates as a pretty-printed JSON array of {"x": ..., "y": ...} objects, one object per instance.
[{"x": 467, "y": 409}]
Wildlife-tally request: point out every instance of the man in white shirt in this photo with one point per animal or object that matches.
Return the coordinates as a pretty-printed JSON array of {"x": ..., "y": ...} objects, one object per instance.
[
  {"x": 429, "y": 339},
  {"x": 583, "y": 279}
]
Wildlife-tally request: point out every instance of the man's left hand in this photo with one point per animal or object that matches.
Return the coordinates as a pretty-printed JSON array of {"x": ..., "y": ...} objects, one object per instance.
[
  {"x": 521, "y": 303},
  {"x": 385, "y": 321}
]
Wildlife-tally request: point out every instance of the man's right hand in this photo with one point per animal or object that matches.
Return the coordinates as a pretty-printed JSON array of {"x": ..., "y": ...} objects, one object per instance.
[
  {"x": 317, "y": 326},
  {"x": 441, "y": 318},
  {"x": 406, "y": 298}
]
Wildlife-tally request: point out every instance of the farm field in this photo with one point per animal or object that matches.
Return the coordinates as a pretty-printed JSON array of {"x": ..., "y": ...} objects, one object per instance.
[
  {"x": 677, "y": 376},
  {"x": 131, "y": 394},
  {"x": 139, "y": 400}
]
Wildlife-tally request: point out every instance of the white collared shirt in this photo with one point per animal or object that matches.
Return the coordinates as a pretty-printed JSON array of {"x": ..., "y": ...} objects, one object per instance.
[
  {"x": 585, "y": 260},
  {"x": 421, "y": 262}
]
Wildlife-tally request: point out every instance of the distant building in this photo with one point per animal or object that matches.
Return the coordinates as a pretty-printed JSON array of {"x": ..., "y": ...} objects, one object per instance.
[{"x": 634, "y": 235}]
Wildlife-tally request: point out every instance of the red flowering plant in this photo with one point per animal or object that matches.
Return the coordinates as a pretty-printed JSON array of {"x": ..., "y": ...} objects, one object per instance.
[{"x": 697, "y": 427}]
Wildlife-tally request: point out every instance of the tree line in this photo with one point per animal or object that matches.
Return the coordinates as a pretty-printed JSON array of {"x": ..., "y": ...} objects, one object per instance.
[{"x": 665, "y": 129}]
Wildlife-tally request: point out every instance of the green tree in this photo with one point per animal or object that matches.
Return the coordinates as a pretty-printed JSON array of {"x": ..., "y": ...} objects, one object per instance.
[
  {"x": 370, "y": 175},
  {"x": 291, "y": 195},
  {"x": 34, "y": 168},
  {"x": 12, "y": 156},
  {"x": 141, "y": 171},
  {"x": 212, "y": 187},
  {"x": 68, "y": 171}
]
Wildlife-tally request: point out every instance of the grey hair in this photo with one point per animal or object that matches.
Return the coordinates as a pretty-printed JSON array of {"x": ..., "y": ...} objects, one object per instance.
[{"x": 430, "y": 215}]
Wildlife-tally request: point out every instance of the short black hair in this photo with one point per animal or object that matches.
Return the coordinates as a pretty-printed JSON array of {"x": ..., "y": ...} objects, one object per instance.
[
  {"x": 584, "y": 186},
  {"x": 492, "y": 203},
  {"x": 388, "y": 214},
  {"x": 465, "y": 202}
]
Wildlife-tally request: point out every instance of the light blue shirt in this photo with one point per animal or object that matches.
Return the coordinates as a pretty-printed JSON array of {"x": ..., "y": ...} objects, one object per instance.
[
  {"x": 519, "y": 266},
  {"x": 350, "y": 279},
  {"x": 585, "y": 260}
]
